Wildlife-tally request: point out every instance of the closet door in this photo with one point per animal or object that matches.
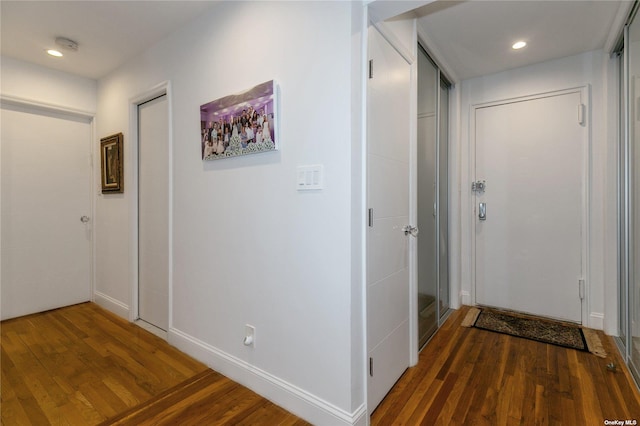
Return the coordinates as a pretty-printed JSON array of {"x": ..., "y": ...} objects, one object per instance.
[
  {"x": 443, "y": 200},
  {"x": 633, "y": 50},
  {"x": 427, "y": 164},
  {"x": 153, "y": 213},
  {"x": 388, "y": 199}
]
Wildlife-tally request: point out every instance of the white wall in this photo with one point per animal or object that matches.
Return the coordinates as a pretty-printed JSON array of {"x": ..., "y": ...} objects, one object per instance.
[
  {"x": 247, "y": 247},
  {"x": 589, "y": 68},
  {"x": 30, "y": 82}
]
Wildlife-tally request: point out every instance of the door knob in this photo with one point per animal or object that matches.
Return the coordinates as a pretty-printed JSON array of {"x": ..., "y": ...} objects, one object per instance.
[
  {"x": 84, "y": 219},
  {"x": 482, "y": 211},
  {"x": 411, "y": 230}
]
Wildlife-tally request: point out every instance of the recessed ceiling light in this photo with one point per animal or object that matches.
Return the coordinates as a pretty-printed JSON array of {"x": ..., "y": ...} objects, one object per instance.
[
  {"x": 519, "y": 45},
  {"x": 55, "y": 53}
]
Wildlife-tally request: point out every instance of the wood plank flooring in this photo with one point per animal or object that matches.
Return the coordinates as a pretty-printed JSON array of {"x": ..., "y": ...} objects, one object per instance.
[
  {"x": 82, "y": 365},
  {"x": 468, "y": 376},
  {"x": 206, "y": 399}
]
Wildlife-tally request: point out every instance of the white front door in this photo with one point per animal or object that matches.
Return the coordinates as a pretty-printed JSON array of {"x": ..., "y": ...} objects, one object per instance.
[
  {"x": 388, "y": 119},
  {"x": 153, "y": 212},
  {"x": 530, "y": 247},
  {"x": 46, "y": 209}
]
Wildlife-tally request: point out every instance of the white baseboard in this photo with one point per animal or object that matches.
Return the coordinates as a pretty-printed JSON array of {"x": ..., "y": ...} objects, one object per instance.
[
  {"x": 288, "y": 396},
  {"x": 466, "y": 298},
  {"x": 596, "y": 321},
  {"x": 111, "y": 304},
  {"x": 360, "y": 417}
]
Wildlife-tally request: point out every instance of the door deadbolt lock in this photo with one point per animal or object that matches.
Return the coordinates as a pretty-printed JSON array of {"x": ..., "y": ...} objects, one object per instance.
[
  {"x": 478, "y": 186},
  {"x": 84, "y": 219}
]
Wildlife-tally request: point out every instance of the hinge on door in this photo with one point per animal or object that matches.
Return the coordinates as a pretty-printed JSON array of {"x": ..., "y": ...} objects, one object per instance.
[
  {"x": 371, "y": 366},
  {"x": 581, "y": 289},
  {"x": 370, "y": 68},
  {"x": 581, "y": 114},
  {"x": 371, "y": 218}
]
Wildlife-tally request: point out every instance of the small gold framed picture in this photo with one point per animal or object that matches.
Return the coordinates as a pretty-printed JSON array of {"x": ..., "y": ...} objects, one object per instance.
[{"x": 112, "y": 160}]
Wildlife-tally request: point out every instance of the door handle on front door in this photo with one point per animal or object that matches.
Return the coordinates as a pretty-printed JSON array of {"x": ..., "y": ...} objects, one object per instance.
[{"x": 482, "y": 211}]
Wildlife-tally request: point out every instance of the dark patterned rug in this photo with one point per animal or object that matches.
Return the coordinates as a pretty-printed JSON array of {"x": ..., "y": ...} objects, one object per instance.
[{"x": 541, "y": 330}]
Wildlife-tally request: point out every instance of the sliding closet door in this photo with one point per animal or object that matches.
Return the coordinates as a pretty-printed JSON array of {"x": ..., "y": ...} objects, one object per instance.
[
  {"x": 443, "y": 199},
  {"x": 433, "y": 197},
  {"x": 623, "y": 260},
  {"x": 427, "y": 197},
  {"x": 633, "y": 50}
]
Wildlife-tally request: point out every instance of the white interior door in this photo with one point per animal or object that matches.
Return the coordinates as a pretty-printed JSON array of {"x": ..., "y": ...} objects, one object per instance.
[
  {"x": 46, "y": 181},
  {"x": 388, "y": 195},
  {"x": 529, "y": 250},
  {"x": 153, "y": 212}
]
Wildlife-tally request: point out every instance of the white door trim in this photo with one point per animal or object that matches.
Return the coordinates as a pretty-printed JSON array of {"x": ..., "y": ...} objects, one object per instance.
[
  {"x": 585, "y": 96},
  {"x": 388, "y": 35},
  {"x": 46, "y": 107},
  {"x": 160, "y": 89},
  {"x": 62, "y": 111}
]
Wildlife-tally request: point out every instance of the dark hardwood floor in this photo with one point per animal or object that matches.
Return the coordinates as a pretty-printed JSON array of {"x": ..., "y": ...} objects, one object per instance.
[
  {"x": 82, "y": 365},
  {"x": 468, "y": 376}
]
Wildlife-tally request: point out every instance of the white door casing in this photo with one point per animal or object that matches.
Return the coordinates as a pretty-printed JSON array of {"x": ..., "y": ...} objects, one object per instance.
[
  {"x": 530, "y": 252},
  {"x": 153, "y": 212},
  {"x": 46, "y": 210},
  {"x": 388, "y": 135}
]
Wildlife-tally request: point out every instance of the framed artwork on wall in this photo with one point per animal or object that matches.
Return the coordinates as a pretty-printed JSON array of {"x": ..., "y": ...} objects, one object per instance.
[
  {"x": 240, "y": 124},
  {"x": 111, "y": 163}
]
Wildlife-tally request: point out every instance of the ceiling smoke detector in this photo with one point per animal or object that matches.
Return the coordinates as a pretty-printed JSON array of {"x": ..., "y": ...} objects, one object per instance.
[{"x": 66, "y": 43}]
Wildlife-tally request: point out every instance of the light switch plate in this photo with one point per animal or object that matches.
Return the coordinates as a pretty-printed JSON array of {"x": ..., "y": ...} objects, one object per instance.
[{"x": 310, "y": 177}]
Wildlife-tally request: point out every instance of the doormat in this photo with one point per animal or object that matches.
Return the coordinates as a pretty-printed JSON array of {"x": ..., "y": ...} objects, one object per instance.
[{"x": 542, "y": 330}]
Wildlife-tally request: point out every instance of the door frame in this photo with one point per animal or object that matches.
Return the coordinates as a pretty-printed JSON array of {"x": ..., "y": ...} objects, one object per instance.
[
  {"x": 585, "y": 96},
  {"x": 59, "y": 111},
  {"x": 160, "y": 89}
]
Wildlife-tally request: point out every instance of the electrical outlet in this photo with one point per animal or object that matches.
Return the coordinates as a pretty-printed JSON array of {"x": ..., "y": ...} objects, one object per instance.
[{"x": 249, "y": 335}]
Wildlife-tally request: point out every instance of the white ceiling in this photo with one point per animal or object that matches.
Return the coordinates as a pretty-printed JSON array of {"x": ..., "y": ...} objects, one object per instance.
[
  {"x": 472, "y": 37},
  {"x": 108, "y": 32}
]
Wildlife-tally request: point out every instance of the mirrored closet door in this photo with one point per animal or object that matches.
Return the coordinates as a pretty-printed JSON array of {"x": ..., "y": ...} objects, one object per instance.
[
  {"x": 433, "y": 191},
  {"x": 629, "y": 196}
]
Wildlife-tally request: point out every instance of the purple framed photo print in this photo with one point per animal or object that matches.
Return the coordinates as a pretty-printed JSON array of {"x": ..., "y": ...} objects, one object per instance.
[{"x": 240, "y": 124}]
